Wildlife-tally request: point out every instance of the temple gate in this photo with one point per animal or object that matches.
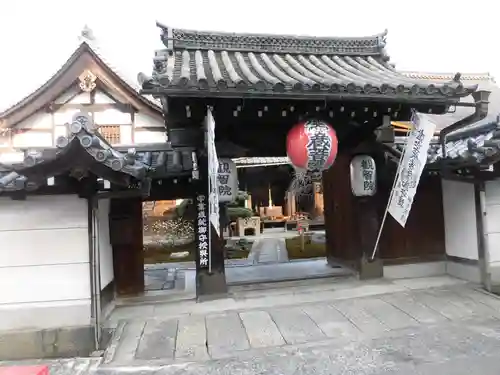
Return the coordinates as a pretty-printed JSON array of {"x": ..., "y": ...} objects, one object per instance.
[{"x": 258, "y": 86}]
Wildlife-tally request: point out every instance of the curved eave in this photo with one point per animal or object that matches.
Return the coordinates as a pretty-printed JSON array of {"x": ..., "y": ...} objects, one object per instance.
[
  {"x": 326, "y": 94},
  {"x": 84, "y": 57},
  {"x": 97, "y": 152}
]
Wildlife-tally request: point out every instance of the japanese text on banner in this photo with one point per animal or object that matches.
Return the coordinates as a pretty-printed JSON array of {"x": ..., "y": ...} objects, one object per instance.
[{"x": 410, "y": 171}]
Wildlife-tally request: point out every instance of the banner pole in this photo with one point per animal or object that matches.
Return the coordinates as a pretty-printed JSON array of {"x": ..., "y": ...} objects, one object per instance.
[{"x": 398, "y": 171}]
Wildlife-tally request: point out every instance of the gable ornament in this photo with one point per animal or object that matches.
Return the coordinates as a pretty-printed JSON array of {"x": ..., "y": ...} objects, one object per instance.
[{"x": 87, "y": 81}]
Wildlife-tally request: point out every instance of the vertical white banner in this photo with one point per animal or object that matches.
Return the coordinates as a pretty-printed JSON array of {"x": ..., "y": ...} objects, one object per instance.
[
  {"x": 213, "y": 168},
  {"x": 410, "y": 170}
]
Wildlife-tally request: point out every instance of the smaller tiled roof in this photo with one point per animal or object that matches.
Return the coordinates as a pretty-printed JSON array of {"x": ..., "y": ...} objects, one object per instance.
[
  {"x": 229, "y": 64},
  {"x": 22, "y": 169}
]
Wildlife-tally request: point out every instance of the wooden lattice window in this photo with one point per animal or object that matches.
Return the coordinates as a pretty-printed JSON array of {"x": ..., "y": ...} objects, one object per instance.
[{"x": 111, "y": 133}]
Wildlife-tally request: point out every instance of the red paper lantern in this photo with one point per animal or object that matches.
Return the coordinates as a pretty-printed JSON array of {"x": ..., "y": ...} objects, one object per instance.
[{"x": 312, "y": 145}]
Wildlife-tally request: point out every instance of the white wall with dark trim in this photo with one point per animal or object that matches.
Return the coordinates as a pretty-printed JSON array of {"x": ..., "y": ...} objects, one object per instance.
[
  {"x": 105, "y": 248},
  {"x": 460, "y": 220},
  {"x": 44, "y": 263}
]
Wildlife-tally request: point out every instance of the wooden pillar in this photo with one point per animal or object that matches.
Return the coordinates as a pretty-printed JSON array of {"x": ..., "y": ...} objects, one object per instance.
[
  {"x": 351, "y": 223},
  {"x": 125, "y": 227}
]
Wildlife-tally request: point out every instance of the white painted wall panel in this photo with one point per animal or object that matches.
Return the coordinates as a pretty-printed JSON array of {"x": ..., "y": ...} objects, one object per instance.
[
  {"x": 43, "y": 212},
  {"x": 82, "y": 98},
  {"x": 102, "y": 98},
  {"x": 64, "y": 115},
  {"x": 60, "y": 130},
  {"x": 126, "y": 134},
  {"x": 44, "y": 315},
  {"x": 143, "y": 136},
  {"x": 143, "y": 120},
  {"x": 460, "y": 219},
  {"x": 33, "y": 138},
  {"x": 44, "y": 263},
  {"x": 112, "y": 116},
  {"x": 45, "y": 247},
  {"x": 59, "y": 282},
  {"x": 492, "y": 222},
  {"x": 40, "y": 120},
  {"x": 105, "y": 248}
]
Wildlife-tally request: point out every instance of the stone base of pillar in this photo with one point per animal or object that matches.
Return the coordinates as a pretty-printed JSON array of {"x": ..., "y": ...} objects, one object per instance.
[
  {"x": 210, "y": 286},
  {"x": 370, "y": 269}
]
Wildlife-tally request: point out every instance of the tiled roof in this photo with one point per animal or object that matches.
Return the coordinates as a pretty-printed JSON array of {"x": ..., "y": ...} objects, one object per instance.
[
  {"x": 228, "y": 64},
  {"x": 17, "y": 173},
  {"x": 484, "y": 81}
]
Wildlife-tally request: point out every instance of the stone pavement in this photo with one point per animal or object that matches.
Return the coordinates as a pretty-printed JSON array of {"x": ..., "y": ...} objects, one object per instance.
[
  {"x": 269, "y": 250},
  {"x": 419, "y": 326}
]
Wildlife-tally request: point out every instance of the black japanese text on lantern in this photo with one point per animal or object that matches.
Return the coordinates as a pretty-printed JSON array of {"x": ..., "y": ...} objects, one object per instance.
[
  {"x": 202, "y": 230},
  {"x": 223, "y": 179},
  {"x": 319, "y": 145},
  {"x": 368, "y": 172}
]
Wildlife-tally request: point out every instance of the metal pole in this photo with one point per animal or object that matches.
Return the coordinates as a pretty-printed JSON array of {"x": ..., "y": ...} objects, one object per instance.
[{"x": 398, "y": 171}]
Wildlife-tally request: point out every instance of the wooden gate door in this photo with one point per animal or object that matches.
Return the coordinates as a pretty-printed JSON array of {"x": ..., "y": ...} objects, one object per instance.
[{"x": 125, "y": 225}]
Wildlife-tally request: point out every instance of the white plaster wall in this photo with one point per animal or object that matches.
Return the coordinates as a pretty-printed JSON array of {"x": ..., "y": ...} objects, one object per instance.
[
  {"x": 44, "y": 263},
  {"x": 105, "y": 248},
  {"x": 460, "y": 219},
  {"x": 492, "y": 222},
  {"x": 33, "y": 138},
  {"x": 40, "y": 132},
  {"x": 142, "y": 120},
  {"x": 144, "y": 136},
  {"x": 112, "y": 116}
]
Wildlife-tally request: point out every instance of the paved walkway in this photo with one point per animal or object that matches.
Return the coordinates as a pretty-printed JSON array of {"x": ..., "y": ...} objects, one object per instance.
[
  {"x": 315, "y": 327},
  {"x": 269, "y": 250}
]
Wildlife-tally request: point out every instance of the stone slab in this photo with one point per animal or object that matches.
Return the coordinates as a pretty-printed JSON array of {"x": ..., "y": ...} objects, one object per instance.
[
  {"x": 418, "y": 311},
  {"x": 331, "y": 321},
  {"x": 441, "y": 304},
  {"x": 261, "y": 330},
  {"x": 389, "y": 315},
  {"x": 296, "y": 326},
  {"x": 129, "y": 341},
  {"x": 225, "y": 335},
  {"x": 158, "y": 340},
  {"x": 446, "y": 349},
  {"x": 191, "y": 343},
  {"x": 362, "y": 319}
]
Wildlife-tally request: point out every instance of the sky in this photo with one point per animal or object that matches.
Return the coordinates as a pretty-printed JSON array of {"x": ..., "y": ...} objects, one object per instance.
[{"x": 36, "y": 37}]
